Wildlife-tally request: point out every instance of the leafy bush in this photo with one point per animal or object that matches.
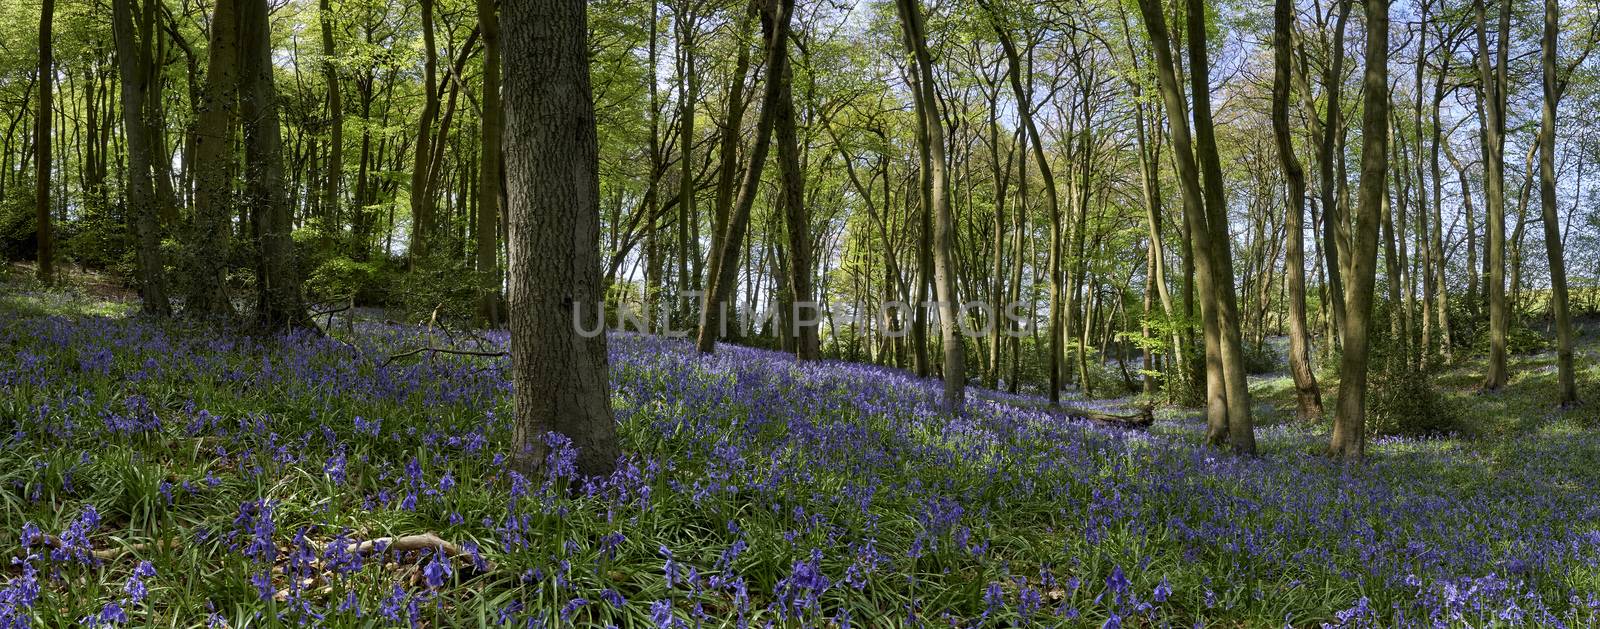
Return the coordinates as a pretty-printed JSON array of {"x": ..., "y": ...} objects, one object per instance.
[
  {"x": 18, "y": 240},
  {"x": 1261, "y": 358},
  {"x": 441, "y": 282},
  {"x": 340, "y": 276},
  {"x": 1403, "y": 401}
]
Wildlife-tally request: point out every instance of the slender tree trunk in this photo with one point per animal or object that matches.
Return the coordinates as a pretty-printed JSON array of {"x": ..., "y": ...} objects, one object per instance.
[
  {"x": 944, "y": 271},
  {"x": 1305, "y": 378},
  {"x": 488, "y": 192},
  {"x": 422, "y": 201},
  {"x": 1199, "y": 235},
  {"x": 1349, "y": 424},
  {"x": 1241, "y": 430},
  {"x": 1567, "y": 393},
  {"x": 41, "y": 144},
  {"x": 689, "y": 91},
  {"x": 333, "y": 187},
  {"x": 1495, "y": 84},
  {"x": 775, "y": 27},
  {"x": 1052, "y": 205},
  {"x": 727, "y": 174}
]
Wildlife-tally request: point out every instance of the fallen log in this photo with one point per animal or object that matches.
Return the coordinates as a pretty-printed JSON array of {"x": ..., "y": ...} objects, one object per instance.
[{"x": 1140, "y": 419}]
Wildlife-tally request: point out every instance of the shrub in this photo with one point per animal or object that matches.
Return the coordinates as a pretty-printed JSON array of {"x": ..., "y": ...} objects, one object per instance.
[
  {"x": 443, "y": 282},
  {"x": 340, "y": 276},
  {"x": 1262, "y": 358},
  {"x": 1403, "y": 401}
]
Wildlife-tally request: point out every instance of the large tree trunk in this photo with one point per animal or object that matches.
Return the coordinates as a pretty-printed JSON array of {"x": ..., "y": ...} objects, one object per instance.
[
  {"x": 41, "y": 144},
  {"x": 279, "y": 303},
  {"x": 558, "y": 369},
  {"x": 775, "y": 27},
  {"x": 1567, "y": 393},
  {"x": 944, "y": 271},
  {"x": 133, "y": 62},
  {"x": 488, "y": 219},
  {"x": 209, "y": 239},
  {"x": 1305, "y": 378},
  {"x": 1349, "y": 424}
]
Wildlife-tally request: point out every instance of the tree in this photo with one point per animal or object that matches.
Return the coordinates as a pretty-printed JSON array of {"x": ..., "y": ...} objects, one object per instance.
[
  {"x": 797, "y": 218},
  {"x": 41, "y": 144},
  {"x": 422, "y": 201},
  {"x": 1349, "y": 424},
  {"x": 1024, "y": 99},
  {"x": 335, "y": 166},
  {"x": 1305, "y": 379},
  {"x": 1226, "y": 390},
  {"x": 552, "y": 182},
  {"x": 488, "y": 224},
  {"x": 775, "y": 17},
  {"x": 1240, "y": 427},
  {"x": 279, "y": 302},
  {"x": 135, "y": 66},
  {"x": 208, "y": 240},
  {"x": 944, "y": 271},
  {"x": 1567, "y": 391},
  {"x": 1493, "y": 95}
]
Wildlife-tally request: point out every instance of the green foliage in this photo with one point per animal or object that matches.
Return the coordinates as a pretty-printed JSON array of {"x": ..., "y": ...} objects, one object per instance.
[
  {"x": 1262, "y": 358},
  {"x": 440, "y": 282},
  {"x": 1403, "y": 401},
  {"x": 339, "y": 276},
  {"x": 17, "y": 233}
]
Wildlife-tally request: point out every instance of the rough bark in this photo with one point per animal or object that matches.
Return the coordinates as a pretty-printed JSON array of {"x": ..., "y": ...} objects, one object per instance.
[
  {"x": 553, "y": 191},
  {"x": 41, "y": 145},
  {"x": 209, "y": 239}
]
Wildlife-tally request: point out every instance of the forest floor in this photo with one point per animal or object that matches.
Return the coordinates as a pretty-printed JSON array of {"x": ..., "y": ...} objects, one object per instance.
[{"x": 168, "y": 473}]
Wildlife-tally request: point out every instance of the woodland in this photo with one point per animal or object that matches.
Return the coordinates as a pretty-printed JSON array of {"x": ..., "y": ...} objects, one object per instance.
[{"x": 673, "y": 313}]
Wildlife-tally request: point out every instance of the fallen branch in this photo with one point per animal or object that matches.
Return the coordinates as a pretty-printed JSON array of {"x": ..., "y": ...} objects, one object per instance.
[
  {"x": 112, "y": 554},
  {"x": 1139, "y": 419},
  {"x": 433, "y": 322},
  {"x": 409, "y": 544}
]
